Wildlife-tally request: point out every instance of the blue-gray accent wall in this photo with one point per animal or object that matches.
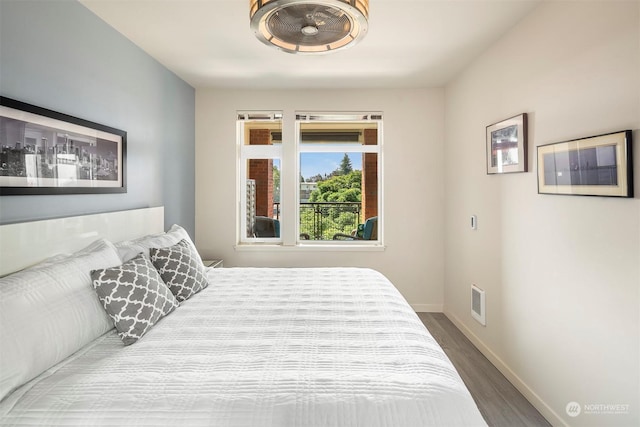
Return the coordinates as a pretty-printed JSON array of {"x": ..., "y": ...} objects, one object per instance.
[{"x": 59, "y": 55}]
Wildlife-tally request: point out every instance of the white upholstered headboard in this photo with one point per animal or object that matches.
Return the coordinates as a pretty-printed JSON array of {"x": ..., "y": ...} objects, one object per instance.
[{"x": 27, "y": 243}]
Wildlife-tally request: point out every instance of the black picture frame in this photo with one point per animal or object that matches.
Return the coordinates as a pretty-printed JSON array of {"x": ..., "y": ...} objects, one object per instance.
[
  {"x": 507, "y": 146},
  {"x": 47, "y": 152},
  {"x": 600, "y": 165}
]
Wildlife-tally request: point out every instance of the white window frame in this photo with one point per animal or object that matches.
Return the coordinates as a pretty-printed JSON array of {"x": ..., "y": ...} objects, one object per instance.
[
  {"x": 253, "y": 152},
  {"x": 289, "y": 155},
  {"x": 351, "y": 117}
]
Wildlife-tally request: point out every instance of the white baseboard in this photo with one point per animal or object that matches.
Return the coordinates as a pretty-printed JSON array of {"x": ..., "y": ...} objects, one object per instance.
[
  {"x": 427, "y": 308},
  {"x": 527, "y": 392}
]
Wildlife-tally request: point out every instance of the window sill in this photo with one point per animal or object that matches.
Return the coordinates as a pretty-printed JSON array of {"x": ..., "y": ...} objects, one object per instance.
[{"x": 253, "y": 247}]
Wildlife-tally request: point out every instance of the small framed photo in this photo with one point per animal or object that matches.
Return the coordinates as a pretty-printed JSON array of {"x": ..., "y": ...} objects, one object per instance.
[
  {"x": 47, "y": 152},
  {"x": 507, "y": 146},
  {"x": 595, "y": 166}
]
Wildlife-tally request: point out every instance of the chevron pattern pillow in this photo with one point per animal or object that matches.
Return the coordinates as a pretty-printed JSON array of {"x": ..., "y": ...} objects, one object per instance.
[
  {"x": 134, "y": 296},
  {"x": 181, "y": 269}
]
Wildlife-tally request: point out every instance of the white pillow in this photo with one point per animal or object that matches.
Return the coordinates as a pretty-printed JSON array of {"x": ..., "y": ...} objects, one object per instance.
[
  {"x": 50, "y": 311},
  {"x": 131, "y": 248}
]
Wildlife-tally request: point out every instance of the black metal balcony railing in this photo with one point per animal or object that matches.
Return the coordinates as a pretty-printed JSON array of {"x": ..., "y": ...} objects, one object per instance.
[{"x": 322, "y": 220}]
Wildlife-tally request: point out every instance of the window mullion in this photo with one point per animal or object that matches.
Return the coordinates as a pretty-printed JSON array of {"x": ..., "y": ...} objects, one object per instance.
[{"x": 289, "y": 181}]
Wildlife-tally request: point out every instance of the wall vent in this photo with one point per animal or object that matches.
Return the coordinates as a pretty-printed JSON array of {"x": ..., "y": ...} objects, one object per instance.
[{"x": 477, "y": 305}]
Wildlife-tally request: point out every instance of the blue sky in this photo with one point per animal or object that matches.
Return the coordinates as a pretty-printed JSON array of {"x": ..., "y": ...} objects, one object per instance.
[{"x": 320, "y": 163}]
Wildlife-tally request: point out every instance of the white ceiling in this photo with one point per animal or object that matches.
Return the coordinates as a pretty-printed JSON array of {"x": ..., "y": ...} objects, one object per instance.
[{"x": 410, "y": 43}]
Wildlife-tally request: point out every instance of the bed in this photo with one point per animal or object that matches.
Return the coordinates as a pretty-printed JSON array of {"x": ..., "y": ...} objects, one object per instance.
[{"x": 256, "y": 347}]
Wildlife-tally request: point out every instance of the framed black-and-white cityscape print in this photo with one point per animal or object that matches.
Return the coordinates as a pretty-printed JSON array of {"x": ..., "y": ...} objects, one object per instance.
[
  {"x": 507, "y": 146},
  {"x": 46, "y": 152},
  {"x": 595, "y": 166}
]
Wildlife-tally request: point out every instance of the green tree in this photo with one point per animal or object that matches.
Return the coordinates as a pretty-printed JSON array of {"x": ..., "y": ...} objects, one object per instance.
[
  {"x": 335, "y": 218},
  {"x": 339, "y": 188},
  {"x": 345, "y": 166}
]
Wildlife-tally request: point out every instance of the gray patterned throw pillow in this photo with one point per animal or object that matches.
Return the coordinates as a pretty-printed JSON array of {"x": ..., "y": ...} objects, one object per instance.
[
  {"x": 134, "y": 296},
  {"x": 181, "y": 269}
]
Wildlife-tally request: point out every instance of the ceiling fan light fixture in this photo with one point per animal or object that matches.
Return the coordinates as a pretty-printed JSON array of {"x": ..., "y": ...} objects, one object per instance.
[{"x": 309, "y": 26}]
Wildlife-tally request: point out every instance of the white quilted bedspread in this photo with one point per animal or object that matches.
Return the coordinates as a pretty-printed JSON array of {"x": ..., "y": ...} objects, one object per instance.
[{"x": 261, "y": 347}]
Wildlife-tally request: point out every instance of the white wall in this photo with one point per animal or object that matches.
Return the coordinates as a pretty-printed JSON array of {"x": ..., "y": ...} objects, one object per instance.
[
  {"x": 561, "y": 273},
  {"x": 413, "y": 184}
]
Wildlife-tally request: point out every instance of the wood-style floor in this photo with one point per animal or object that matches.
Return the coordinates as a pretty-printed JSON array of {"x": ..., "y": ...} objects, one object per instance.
[{"x": 500, "y": 403}]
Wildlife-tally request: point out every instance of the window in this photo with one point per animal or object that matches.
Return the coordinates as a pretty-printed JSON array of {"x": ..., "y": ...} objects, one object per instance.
[
  {"x": 319, "y": 184},
  {"x": 260, "y": 165},
  {"x": 339, "y": 171}
]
